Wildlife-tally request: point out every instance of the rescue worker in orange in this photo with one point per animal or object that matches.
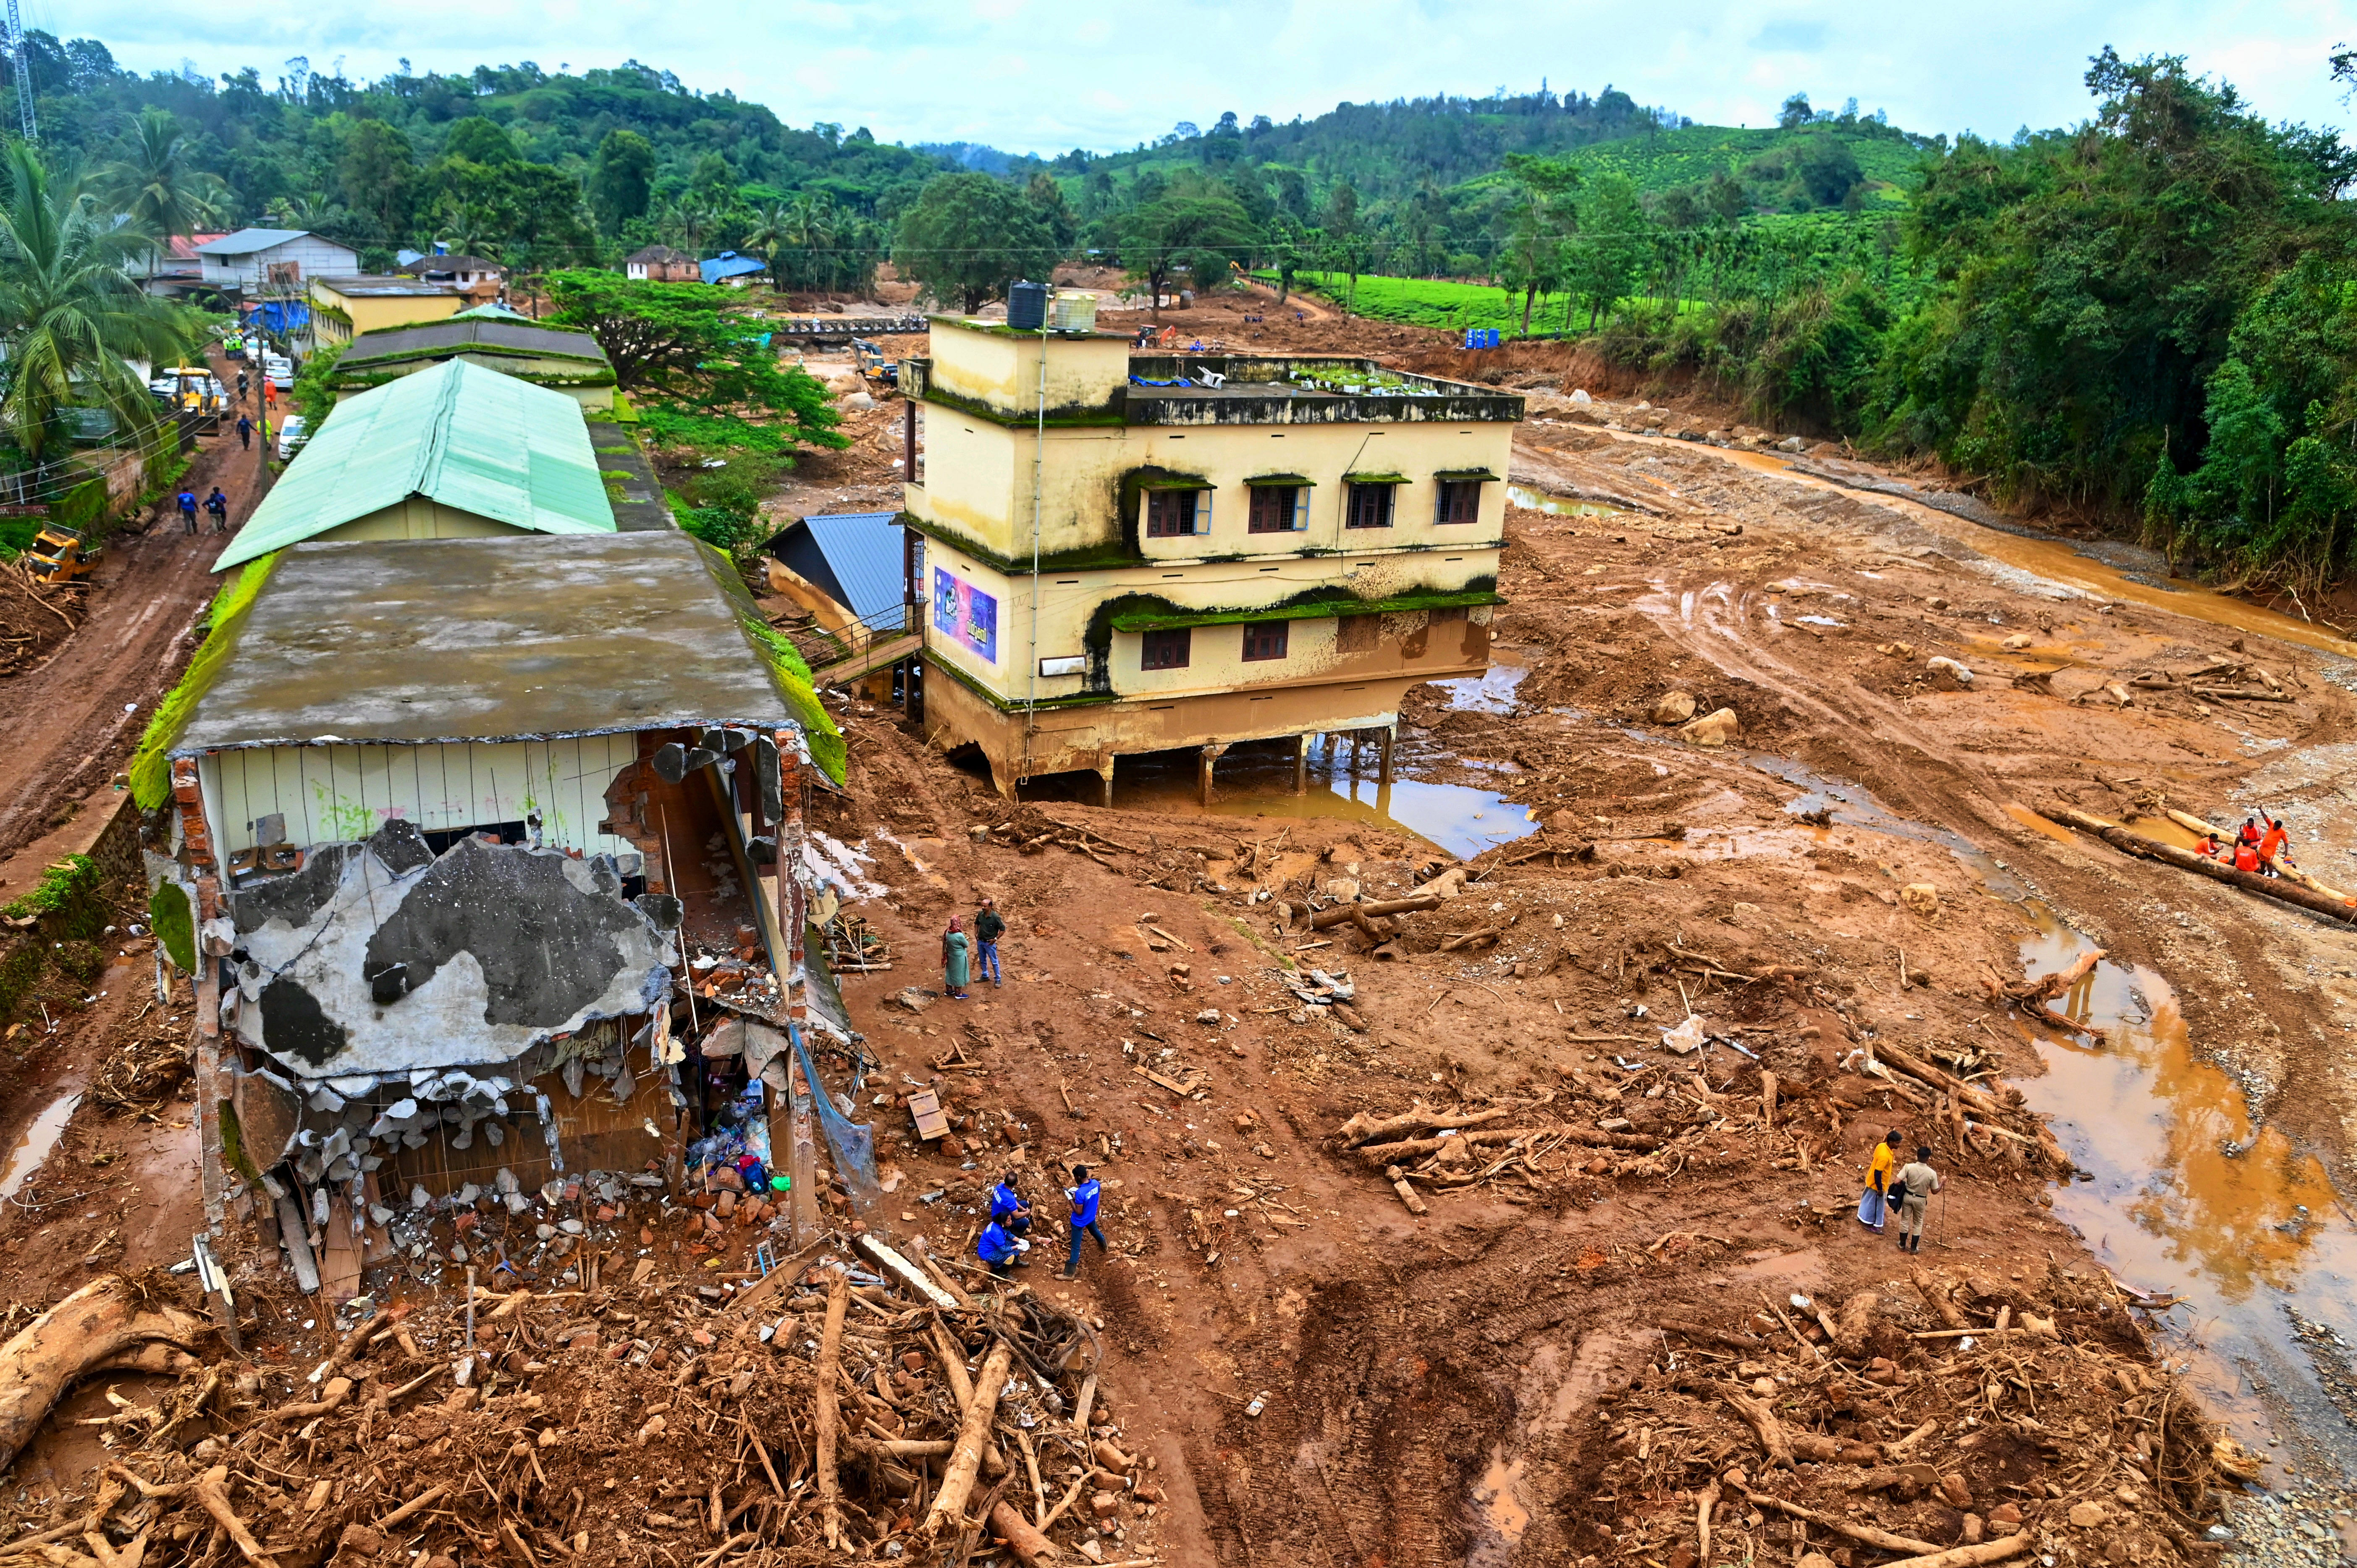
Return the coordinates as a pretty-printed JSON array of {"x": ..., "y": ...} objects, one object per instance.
[{"x": 2272, "y": 845}]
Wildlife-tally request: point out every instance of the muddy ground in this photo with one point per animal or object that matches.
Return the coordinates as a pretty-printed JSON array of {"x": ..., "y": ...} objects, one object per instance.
[{"x": 1503, "y": 1378}]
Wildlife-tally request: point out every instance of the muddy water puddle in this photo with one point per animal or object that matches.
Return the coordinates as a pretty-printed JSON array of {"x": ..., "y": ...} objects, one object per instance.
[
  {"x": 35, "y": 1146},
  {"x": 1256, "y": 780},
  {"x": 1493, "y": 690},
  {"x": 2184, "y": 1193},
  {"x": 1560, "y": 506}
]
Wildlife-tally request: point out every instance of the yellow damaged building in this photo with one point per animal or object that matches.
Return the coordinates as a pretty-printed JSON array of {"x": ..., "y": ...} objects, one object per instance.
[{"x": 1133, "y": 552}]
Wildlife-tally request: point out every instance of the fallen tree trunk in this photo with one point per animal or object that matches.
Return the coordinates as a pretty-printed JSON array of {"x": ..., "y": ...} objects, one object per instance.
[
  {"x": 1996, "y": 1550},
  {"x": 828, "y": 1424},
  {"x": 1932, "y": 1073},
  {"x": 1032, "y": 1549},
  {"x": 1344, "y": 914},
  {"x": 1395, "y": 1154},
  {"x": 957, "y": 1476},
  {"x": 1363, "y": 1129},
  {"x": 2202, "y": 865},
  {"x": 1939, "y": 1300},
  {"x": 1763, "y": 1423},
  {"x": 107, "y": 1319},
  {"x": 1856, "y": 1319},
  {"x": 1867, "y": 1533},
  {"x": 1729, "y": 1337}
]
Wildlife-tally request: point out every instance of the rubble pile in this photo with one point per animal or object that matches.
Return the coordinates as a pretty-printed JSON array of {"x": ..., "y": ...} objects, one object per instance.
[
  {"x": 855, "y": 1404},
  {"x": 1968, "y": 1420}
]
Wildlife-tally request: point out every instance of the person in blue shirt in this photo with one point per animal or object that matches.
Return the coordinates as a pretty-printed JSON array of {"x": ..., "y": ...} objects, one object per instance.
[
  {"x": 999, "y": 1249},
  {"x": 1085, "y": 1193},
  {"x": 1008, "y": 1208},
  {"x": 188, "y": 511}
]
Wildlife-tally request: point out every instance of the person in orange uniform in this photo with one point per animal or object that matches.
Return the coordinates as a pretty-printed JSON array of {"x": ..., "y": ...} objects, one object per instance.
[{"x": 2272, "y": 845}]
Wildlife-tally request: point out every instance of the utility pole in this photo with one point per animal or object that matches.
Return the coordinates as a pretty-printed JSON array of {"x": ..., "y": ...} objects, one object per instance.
[{"x": 18, "y": 64}]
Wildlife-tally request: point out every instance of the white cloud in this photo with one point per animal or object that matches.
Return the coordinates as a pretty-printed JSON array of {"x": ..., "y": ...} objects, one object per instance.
[{"x": 1031, "y": 77}]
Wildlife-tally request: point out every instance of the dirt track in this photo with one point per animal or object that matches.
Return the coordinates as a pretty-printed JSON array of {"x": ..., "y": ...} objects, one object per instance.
[{"x": 73, "y": 719}]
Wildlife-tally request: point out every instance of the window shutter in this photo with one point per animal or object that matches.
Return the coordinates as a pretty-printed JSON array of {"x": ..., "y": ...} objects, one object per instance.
[
  {"x": 1204, "y": 514},
  {"x": 1301, "y": 509}
]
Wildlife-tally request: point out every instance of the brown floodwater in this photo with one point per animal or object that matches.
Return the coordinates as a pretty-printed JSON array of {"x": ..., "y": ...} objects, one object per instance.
[{"x": 2188, "y": 1196}]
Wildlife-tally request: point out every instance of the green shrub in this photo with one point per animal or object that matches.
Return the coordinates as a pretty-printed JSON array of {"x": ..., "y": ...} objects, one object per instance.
[{"x": 175, "y": 924}]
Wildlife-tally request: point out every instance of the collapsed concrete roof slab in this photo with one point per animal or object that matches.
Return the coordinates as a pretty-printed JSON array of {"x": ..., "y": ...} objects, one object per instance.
[
  {"x": 453, "y": 639},
  {"x": 385, "y": 963}
]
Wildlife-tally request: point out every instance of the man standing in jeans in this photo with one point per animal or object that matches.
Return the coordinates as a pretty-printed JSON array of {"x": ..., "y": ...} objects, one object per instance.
[
  {"x": 1085, "y": 1192},
  {"x": 988, "y": 927}
]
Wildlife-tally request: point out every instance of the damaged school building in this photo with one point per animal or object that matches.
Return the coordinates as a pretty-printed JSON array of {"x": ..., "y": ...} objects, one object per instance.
[
  {"x": 1126, "y": 554},
  {"x": 484, "y": 852}
]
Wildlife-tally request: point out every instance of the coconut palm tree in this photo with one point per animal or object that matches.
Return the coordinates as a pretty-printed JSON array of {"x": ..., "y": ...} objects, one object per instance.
[
  {"x": 157, "y": 186},
  {"x": 768, "y": 235},
  {"x": 71, "y": 312}
]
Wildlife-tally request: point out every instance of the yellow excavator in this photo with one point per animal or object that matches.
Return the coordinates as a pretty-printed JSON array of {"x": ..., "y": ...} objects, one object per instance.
[{"x": 57, "y": 556}]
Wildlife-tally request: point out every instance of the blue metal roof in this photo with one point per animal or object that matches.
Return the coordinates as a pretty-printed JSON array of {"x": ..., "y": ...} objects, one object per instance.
[
  {"x": 729, "y": 265},
  {"x": 863, "y": 550}
]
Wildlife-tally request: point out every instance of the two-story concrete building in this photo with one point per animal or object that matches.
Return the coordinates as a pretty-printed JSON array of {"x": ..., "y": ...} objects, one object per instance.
[
  {"x": 252, "y": 260},
  {"x": 1132, "y": 555}
]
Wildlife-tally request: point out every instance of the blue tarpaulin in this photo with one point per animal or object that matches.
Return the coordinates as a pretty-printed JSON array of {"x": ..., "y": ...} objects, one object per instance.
[{"x": 284, "y": 315}]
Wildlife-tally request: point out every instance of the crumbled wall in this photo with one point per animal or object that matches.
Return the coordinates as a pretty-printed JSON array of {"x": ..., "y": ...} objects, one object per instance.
[{"x": 380, "y": 957}]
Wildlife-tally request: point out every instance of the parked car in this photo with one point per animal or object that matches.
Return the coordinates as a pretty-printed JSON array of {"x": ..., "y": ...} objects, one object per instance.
[
  {"x": 292, "y": 434},
  {"x": 279, "y": 371}
]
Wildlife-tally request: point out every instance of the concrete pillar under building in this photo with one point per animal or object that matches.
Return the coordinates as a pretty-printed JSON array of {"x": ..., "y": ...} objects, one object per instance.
[
  {"x": 1384, "y": 766},
  {"x": 1211, "y": 755},
  {"x": 1301, "y": 764},
  {"x": 1105, "y": 773}
]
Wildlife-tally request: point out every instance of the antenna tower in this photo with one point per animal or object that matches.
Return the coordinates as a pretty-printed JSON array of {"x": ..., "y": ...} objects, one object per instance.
[{"x": 22, "y": 71}]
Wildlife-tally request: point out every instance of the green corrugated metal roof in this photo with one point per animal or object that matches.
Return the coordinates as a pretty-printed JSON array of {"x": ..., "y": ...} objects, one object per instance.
[{"x": 470, "y": 439}]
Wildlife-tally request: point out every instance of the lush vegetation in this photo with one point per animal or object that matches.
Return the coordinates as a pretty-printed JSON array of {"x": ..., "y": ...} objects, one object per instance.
[
  {"x": 2151, "y": 317},
  {"x": 537, "y": 169}
]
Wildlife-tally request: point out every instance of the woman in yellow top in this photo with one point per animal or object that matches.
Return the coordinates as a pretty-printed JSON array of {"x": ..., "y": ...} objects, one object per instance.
[{"x": 1874, "y": 1203}]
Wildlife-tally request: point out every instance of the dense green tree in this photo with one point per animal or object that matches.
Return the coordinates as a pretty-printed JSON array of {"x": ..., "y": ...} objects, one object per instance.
[
  {"x": 479, "y": 141},
  {"x": 968, "y": 236},
  {"x": 71, "y": 312},
  {"x": 684, "y": 346},
  {"x": 156, "y": 183},
  {"x": 376, "y": 169},
  {"x": 1199, "y": 228},
  {"x": 1532, "y": 260},
  {"x": 1604, "y": 257},
  {"x": 1826, "y": 169},
  {"x": 621, "y": 181}
]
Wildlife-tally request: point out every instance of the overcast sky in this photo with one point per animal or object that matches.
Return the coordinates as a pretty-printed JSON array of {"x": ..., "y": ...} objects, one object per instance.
[{"x": 1031, "y": 75}]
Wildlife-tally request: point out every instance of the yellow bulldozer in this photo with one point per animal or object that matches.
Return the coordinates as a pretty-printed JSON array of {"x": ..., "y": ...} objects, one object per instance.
[{"x": 57, "y": 556}]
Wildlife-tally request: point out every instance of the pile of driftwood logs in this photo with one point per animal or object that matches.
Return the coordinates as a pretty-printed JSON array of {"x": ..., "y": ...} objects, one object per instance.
[{"x": 857, "y": 1403}]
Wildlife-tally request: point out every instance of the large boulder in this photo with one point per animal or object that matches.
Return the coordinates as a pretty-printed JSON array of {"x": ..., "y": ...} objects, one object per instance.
[{"x": 1720, "y": 728}]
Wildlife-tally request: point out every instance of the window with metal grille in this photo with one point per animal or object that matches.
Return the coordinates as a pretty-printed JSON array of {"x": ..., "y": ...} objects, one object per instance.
[
  {"x": 1370, "y": 505},
  {"x": 1276, "y": 509},
  {"x": 1266, "y": 639},
  {"x": 1164, "y": 649},
  {"x": 1170, "y": 513},
  {"x": 1461, "y": 501}
]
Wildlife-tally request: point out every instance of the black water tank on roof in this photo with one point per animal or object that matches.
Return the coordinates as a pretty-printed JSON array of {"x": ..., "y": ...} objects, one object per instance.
[{"x": 1027, "y": 306}]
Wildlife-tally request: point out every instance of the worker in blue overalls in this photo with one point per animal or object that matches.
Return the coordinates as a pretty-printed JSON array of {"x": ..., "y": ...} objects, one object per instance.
[
  {"x": 1001, "y": 1248},
  {"x": 1085, "y": 1193},
  {"x": 1007, "y": 1209}
]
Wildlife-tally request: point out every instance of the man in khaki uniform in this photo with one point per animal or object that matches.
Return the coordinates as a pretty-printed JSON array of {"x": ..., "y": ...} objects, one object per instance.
[{"x": 1911, "y": 1189}]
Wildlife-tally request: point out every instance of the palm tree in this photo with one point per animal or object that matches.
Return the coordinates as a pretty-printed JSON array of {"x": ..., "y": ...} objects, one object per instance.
[
  {"x": 71, "y": 312},
  {"x": 156, "y": 185},
  {"x": 770, "y": 228}
]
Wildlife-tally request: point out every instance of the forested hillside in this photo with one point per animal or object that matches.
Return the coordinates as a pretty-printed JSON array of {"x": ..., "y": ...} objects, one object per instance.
[{"x": 540, "y": 169}]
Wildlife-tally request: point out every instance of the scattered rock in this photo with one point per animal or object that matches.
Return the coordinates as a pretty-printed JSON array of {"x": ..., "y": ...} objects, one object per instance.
[
  {"x": 1949, "y": 674},
  {"x": 1712, "y": 729},
  {"x": 1675, "y": 708},
  {"x": 1898, "y": 650},
  {"x": 2088, "y": 1516},
  {"x": 2018, "y": 641},
  {"x": 1920, "y": 899}
]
